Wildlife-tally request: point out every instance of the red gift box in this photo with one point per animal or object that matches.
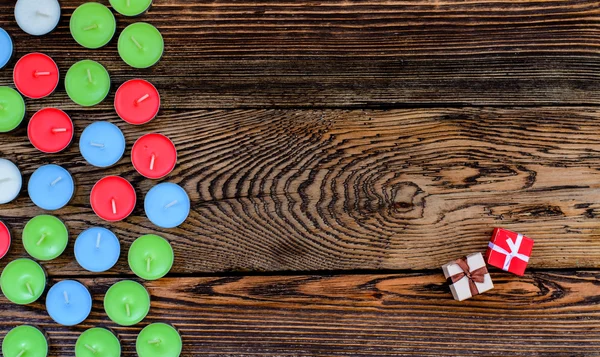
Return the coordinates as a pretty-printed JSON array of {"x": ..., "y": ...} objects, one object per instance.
[{"x": 509, "y": 251}]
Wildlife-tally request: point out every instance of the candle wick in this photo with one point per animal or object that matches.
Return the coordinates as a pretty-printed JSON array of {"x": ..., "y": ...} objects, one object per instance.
[
  {"x": 29, "y": 289},
  {"x": 41, "y": 239},
  {"x": 90, "y": 348},
  {"x": 59, "y": 130},
  {"x": 42, "y": 14},
  {"x": 1, "y": 107},
  {"x": 39, "y": 74},
  {"x": 53, "y": 183},
  {"x": 171, "y": 204},
  {"x": 136, "y": 43},
  {"x": 152, "y": 159},
  {"x": 96, "y": 145},
  {"x": 6, "y": 179},
  {"x": 98, "y": 240},
  {"x": 128, "y": 3},
  {"x": 128, "y": 310},
  {"x": 89, "y": 74},
  {"x": 143, "y": 98},
  {"x": 21, "y": 353},
  {"x": 91, "y": 27},
  {"x": 155, "y": 341},
  {"x": 114, "y": 206},
  {"x": 66, "y": 296},
  {"x": 148, "y": 260}
]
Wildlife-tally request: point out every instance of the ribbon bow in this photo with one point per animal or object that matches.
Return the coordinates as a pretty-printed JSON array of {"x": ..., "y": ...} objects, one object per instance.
[
  {"x": 514, "y": 251},
  {"x": 475, "y": 276}
]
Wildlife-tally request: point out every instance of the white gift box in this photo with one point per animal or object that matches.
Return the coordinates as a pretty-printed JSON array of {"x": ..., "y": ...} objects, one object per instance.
[{"x": 461, "y": 289}]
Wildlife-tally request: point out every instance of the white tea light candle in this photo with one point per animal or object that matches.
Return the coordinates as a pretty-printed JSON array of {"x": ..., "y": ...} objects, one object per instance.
[
  {"x": 10, "y": 181},
  {"x": 37, "y": 17}
]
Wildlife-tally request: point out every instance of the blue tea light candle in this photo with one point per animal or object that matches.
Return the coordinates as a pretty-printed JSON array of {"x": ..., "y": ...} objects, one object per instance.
[
  {"x": 6, "y": 48},
  {"x": 167, "y": 205},
  {"x": 102, "y": 144},
  {"x": 68, "y": 302},
  {"x": 97, "y": 249},
  {"x": 51, "y": 187}
]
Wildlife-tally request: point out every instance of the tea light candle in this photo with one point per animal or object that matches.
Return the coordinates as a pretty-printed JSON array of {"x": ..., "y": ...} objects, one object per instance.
[
  {"x": 87, "y": 83},
  {"x": 50, "y": 130},
  {"x": 158, "y": 340},
  {"x": 130, "y": 7},
  {"x": 6, "y": 48},
  {"x": 102, "y": 144},
  {"x": 126, "y": 303},
  {"x": 36, "y": 75},
  {"x": 25, "y": 341},
  {"x": 113, "y": 198},
  {"x": 68, "y": 302},
  {"x": 97, "y": 249},
  {"x": 37, "y": 17},
  {"x": 23, "y": 281},
  {"x": 4, "y": 239},
  {"x": 51, "y": 187},
  {"x": 140, "y": 45},
  {"x": 154, "y": 156},
  {"x": 137, "y": 101},
  {"x": 150, "y": 257},
  {"x": 45, "y": 237},
  {"x": 92, "y": 25},
  {"x": 10, "y": 181},
  {"x": 167, "y": 205},
  {"x": 97, "y": 342},
  {"x": 12, "y": 109}
]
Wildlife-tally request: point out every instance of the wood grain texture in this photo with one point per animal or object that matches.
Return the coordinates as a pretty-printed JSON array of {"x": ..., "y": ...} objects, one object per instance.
[
  {"x": 335, "y": 53},
  {"x": 541, "y": 314},
  {"x": 303, "y": 190}
]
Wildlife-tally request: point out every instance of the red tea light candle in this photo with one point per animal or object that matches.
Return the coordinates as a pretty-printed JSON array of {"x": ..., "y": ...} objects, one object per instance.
[
  {"x": 50, "y": 130},
  {"x": 4, "y": 239},
  {"x": 113, "y": 198},
  {"x": 137, "y": 101},
  {"x": 36, "y": 75},
  {"x": 154, "y": 156}
]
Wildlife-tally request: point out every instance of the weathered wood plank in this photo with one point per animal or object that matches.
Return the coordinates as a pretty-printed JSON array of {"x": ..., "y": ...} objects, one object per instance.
[
  {"x": 304, "y": 190},
  {"x": 333, "y": 53},
  {"x": 545, "y": 313}
]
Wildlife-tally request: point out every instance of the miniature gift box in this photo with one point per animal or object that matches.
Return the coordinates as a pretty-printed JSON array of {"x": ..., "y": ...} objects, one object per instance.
[
  {"x": 468, "y": 277},
  {"x": 509, "y": 251}
]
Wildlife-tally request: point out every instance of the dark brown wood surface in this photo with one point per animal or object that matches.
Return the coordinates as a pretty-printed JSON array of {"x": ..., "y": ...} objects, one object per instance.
[{"x": 358, "y": 146}]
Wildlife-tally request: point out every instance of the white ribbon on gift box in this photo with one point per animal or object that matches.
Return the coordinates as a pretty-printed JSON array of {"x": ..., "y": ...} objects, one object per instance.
[{"x": 514, "y": 251}]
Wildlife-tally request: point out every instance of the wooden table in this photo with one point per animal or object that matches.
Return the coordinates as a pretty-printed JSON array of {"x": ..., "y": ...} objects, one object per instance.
[{"x": 337, "y": 153}]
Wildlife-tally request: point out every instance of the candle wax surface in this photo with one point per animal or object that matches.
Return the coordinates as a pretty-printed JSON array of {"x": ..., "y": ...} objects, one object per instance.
[
  {"x": 6, "y": 48},
  {"x": 50, "y": 130},
  {"x": 167, "y": 205},
  {"x": 140, "y": 45},
  {"x": 45, "y": 237},
  {"x": 68, "y": 302},
  {"x": 26, "y": 338},
  {"x": 130, "y": 7},
  {"x": 123, "y": 295},
  {"x": 12, "y": 109},
  {"x": 113, "y": 188},
  {"x": 10, "y": 181},
  {"x": 4, "y": 239},
  {"x": 137, "y": 101},
  {"x": 37, "y": 17},
  {"x": 51, "y": 187},
  {"x": 23, "y": 281},
  {"x": 163, "y": 150},
  {"x": 150, "y": 257},
  {"x": 158, "y": 340},
  {"x": 36, "y": 75},
  {"x": 102, "y": 144},
  {"x": 97, "y": 249},
  {"x": 97, "y": 342},
  {"x": 87, "y": 83},
  {"x": 92, "y": 25}
]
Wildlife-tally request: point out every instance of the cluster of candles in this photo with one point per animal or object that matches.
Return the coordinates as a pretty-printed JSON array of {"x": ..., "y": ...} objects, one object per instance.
[{"x": 113, "y": 198}]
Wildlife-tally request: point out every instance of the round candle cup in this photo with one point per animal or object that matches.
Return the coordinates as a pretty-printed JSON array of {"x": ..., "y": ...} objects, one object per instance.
[
  {"x": 25, "y": 341},
  {"x": 102, "y": 144},
  {"x": 126, "y": 303},
  {"x": 130, "y": 7},
  {"x": 51, "y": 187},
  {"x": 45, "y": 237},
  {"x": 6, "y": 48},
  {"x": 87, "y": 83},
  {"x": 137, "y": 101},
  {"x": 97, "y": 249},
  {"x": 37, "y": 17},
  {"x": 154, "y": 156},
  {"x": 68, "y": 302},
  {"x": 92, "y": 25},
  {"x": 10, "y": 181},
  {"x": 97, "y": 342},
  {"x": 158, "y": 340},
  {"x": 167, "y": 205},
  {"x": 113, "y": 198},
  {"x": 5, "y": 239},
  {"x": 23, "y": 281},
  {"x": 141, "y": 45},
  {"x": 12, "y": 109},
  {"x": 50, "y": 130},
  {"x": 36, "y": 75},
  {"x": 150, "y": 257}
]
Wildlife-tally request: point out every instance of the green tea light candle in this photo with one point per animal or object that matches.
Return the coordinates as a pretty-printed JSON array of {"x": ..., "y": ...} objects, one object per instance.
[
  {"x": 97, "y": 342},
  {"x": 92, "y": 25},
  {"x": 130, "y": 7},
  {"x": 25, "y": 341},
  {"x": 127, "y": 302},
  {"x": 12, "y": 109},
  {"x": 23, "y": 281},
  {"x": 158, "y": 340},
  {"x": 87, "y": 83},
  {"x": 45, "y": 237},
  {"x": 150, "y": 257},
  {"x": 140, "y": 45}
]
